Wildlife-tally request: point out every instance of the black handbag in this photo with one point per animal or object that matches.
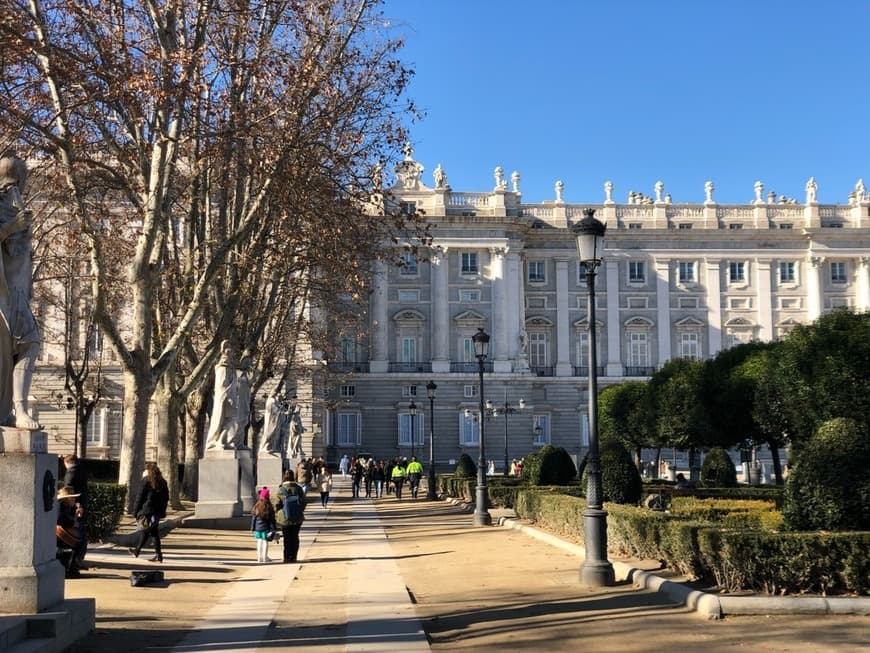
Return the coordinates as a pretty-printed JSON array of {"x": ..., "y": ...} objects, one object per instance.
[{"x": 140, "y": 578}]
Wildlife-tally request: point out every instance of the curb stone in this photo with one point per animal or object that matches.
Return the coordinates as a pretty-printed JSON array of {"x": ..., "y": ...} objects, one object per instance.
[{"x": 709, "y": 606}]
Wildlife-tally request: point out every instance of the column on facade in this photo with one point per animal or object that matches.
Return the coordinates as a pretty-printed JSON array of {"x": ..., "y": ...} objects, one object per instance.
[
  {"x": 563, "y": 348},
  {"x": 814, "y": 287},
  {"x": 499, "y": 343},
  {"x": 440, "y": 311},
  {"x": 663, "y": 308},
  {"x": 515, "y": 305},
  {"x": 380, "y": 320},
  {"x": 714, "y": 306},
  {"x": 614, "y": 346},
  {"x": 765, "y": 300},
  {"x": 862, "y": 301}
]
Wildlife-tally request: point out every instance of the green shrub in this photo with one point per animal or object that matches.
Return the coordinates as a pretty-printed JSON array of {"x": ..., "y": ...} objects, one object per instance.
[
  {"x": 465, "y": 467},
  {"x": 728, "y": 513},
  {"x": 105, "y": 509},
  {"x": 828, "y": 487},
  {"x": 503, "y": 491},
  {"x": 718, "y": 469},
  {"x": 549, "y": 466},
  {"x": 620, "y": 480}
]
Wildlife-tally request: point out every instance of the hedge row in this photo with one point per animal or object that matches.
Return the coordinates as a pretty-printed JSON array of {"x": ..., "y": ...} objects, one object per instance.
[
  {"x": 755, "y": 493},
  {"x": 735, "y": 559},
  {"x": 729, "y": 513},
  {"x": 105, "y": 509}
]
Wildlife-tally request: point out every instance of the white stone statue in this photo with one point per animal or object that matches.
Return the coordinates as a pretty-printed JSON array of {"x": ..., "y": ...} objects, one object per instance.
[
  {"x": 860, "y": 191},
  {"x": 295, "y": 448},
  {"x": 708, "y": 189},
  {"x": 608, "y": 192},
  {"x": 524, "y": 343},
  {"x": 271, "y": 438},
  {"x": 378, "y": 176},
  {"x": 659, "y": 188},
  {"x": 812, "y": 189},
  {"x": 223, "y": 426},
  {"x": 500, "y": 183},
  {"x": 560, "y": 188},
  {"x": 668, "y": 199},
  {"x": 759, "y": 189},
  {"x": 19, "y": 334},
  {"x": 515, "y": 181},
  {"x": 771, "y": 197},
  {"x": 440, "y": 178}
]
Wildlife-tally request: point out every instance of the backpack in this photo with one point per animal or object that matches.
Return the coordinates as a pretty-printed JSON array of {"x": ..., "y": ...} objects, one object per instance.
[{"x": 291, "y": 511}]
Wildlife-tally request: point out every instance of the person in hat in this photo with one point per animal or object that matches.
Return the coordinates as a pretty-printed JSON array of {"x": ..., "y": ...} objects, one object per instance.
[
  {"x": 69, "y": 529},
  {"x": 263, "y": 524}
]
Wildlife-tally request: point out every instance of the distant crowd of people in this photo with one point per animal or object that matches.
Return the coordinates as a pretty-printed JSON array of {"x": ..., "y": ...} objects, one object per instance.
[{"x": 381, "y": 477}]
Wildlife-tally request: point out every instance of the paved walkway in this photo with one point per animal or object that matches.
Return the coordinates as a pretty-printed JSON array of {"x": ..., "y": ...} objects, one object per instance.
[{"x": 384, "y": 575}]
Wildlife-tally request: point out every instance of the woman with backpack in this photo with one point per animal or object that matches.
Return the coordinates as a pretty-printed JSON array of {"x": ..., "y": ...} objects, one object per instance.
[
  {"x": 150, "y": 509},
  {"x": 290, "y": 513}
]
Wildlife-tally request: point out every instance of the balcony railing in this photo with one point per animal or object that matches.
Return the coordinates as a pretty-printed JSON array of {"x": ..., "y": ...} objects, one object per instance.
[
  {"x": 470, "y": 368},
  {"x": 411, "y": 368},
  {"x": 538, "y": 370},
  {"x": 638, "y": 371},
  {"x": 582, "y": 370},
  {"x": 344, "y": 367}
]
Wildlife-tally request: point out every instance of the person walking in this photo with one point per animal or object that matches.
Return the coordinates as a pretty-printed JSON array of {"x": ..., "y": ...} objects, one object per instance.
[
  {"x": 344, "y": 465},
  {"x": 388, "y": 475},
  {"x": 290, "y": 513},
  {"x": 379, "y": 477},
  {"x": 356, "y": 475},
  {"x": 150, "y": 509},
  {"x": 368, "y": 470},
  {"x": 76, "y": 478},
  {"x": 323, "y": 480},
  {"x": 263, "y": 524},
  {"x": 415, "y": 473},
  {"x": 398, "y": 478}
]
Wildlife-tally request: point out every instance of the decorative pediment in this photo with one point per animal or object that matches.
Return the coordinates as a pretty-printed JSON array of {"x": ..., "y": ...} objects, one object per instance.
[
  {"x": 583, "y": 324},
  {"x": 538, "y": 321},
  {"x": 409, "y": 316},
  {"x": 740, "y": 322},
  {"x": 470, "y": 316},
  {"x": 638, "y": 322},
  {"x": 788, "y": 322},
  {"x": 689, "y": 323}
]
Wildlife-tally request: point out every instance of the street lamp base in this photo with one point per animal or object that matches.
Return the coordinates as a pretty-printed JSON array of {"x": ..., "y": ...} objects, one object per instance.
[
  {"x": 482, "y": 518},
  {"x": 431, "y": 496},
  {"x": 597, "y": 573}
]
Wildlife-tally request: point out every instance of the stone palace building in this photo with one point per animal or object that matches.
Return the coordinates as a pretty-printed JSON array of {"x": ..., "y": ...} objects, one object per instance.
[{"x": 677, "y": 280}]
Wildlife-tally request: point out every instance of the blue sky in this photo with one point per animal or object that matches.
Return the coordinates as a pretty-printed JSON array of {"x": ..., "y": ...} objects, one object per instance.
[{"x": 640, "y": 91}]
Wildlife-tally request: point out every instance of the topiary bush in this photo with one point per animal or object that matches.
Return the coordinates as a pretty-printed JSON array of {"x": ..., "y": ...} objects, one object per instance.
[
  {"x": 105, "y": 509},
  {"x": 718, "y": 469},
  {"x": 466, "y": 467},
  {"x": 828, "y": 487},
  {"x": 549, "y": 466},
  {"x": 620, "y": 480}
]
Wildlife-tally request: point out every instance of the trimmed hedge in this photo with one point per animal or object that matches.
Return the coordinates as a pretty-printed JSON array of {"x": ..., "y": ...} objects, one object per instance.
[
  {"x": 549, "y": 466},
  {"x": 729, "y": 513},
  {"x": 465, "y": 467},
  {"x": 772, "y": 493},
  {"x": 718, "y": 469},
  {"x": 105, "y": 509},
  {"x": 620, "y": 480}
]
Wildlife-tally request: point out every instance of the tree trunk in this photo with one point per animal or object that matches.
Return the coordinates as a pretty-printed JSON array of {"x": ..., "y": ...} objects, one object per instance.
[
  {"x": 638, "y": 460},
  {"x": 167, "y": 413},
  {"x": 194, "y": 427},
  {"x": 138, "y": 389}
]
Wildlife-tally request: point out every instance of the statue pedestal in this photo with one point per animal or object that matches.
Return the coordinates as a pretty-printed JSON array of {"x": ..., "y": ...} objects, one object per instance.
[
  {"x": 31, "y": 578},
  {"x": 270, "y": 471},
  {"x": 223, "y": 474},
  {"x": 247, "y": 482}
]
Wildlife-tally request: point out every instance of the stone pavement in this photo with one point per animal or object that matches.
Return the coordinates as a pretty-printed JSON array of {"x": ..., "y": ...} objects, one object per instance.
[{"x": 384, "y": 575}]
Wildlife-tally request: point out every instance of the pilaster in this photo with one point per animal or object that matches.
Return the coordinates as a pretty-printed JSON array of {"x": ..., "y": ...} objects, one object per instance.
[
  {"x": 614, "y": 349},
  {"x": 440, "y": 312},
  {"x": 814, "y": 287},
  {"x": 714, "y": 306},
  {"x": 563, "y": 352},
  {"x": 380, "y": 323},
  {"x": 765, "y": 307},
  {"x": 663, "y": 309}
]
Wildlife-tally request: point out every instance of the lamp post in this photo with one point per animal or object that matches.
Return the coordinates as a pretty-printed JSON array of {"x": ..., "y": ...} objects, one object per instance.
[
  {"x": 505, "y": 409},
  {"x": 481, "y": 512},
  {"x": 596, "y": 570},
  {"x": 412, "y": 409},
  {"x": 431, "y": 495}
]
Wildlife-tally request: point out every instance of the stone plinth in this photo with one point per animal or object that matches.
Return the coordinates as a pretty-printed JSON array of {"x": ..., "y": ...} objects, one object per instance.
[
  {"x": 220, "y": 474},
  {"x": 247, "y": 482},
  {"x": 270, "y": 471},
  {"x": 31, "y": 578}
]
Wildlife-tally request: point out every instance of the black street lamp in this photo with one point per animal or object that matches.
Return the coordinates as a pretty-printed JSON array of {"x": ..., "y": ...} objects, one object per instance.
[
  {"x": 505, "y": 409},
  {"x": 412, "y": 409},
  {"x": 481, "y": 512},
  {"x": 431, "y": 495},
  {"x": 596, "y": 570}
]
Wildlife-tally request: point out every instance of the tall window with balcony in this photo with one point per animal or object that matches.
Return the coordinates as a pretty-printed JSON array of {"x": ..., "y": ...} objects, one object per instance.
[
  {"x": 838, "y": 272},
  {"x": 638, "y": 353},
  {"x": 409, "y": 351},
  {"x": 348, "y": 430},
  {"x": 540, "y": 430},
  {"x": 686, "y": 272},
  {"x": 405, "y": 429},
  {"x": 537, "y": 271},
  {"x": 468, "y": 263},
  {"x": 469, "y": 429},
  {"x": 539, "y": 359},
  {"x": 582, "y": 356},
  {"x": 689, "y": 345},
  {"x": 409, "y": 264}
]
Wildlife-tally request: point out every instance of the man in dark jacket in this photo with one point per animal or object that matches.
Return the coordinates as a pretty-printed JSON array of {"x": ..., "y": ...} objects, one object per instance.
[{"x": 77, "y": 479}]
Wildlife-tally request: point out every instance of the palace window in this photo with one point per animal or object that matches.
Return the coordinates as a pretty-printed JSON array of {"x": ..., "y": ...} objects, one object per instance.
[
  {"x": 409, "y": 264},
  {"x": 405, "y": 429},
  {"x": 838, "y": 272},
  {"x": 787, "y": 272},
  {"x": 469, "y": 429},
  {"x": 348, "y": 430},
  {"x": 689, "y": 342},
  {"x": 636, "y": 272},
  {"x": 538, "y": 349},
  {"x": 96, "y": 433},
  {"x": 537, "y": 271},
  {"x": 541, "y": 435},
  {"x": 469, "y": 296},
  {"x": 409, "y": 391},
  {"x": 469, "y": 263},
  {"x": 736, "y": 272},
  {"x": 638, "y": 349},
  {"x": 409, "y": 350},
  {"x": 348, "y": 391},
  {"x": 686, "y": 272}
]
